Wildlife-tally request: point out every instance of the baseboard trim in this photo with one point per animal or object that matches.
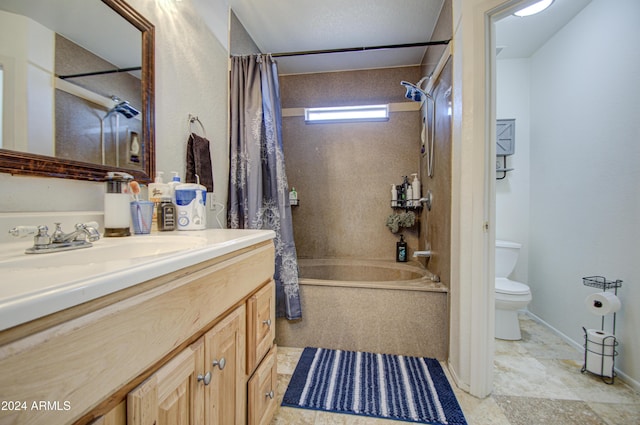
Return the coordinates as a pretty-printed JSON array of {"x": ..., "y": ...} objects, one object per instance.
[{"x": 580, "y": 348}]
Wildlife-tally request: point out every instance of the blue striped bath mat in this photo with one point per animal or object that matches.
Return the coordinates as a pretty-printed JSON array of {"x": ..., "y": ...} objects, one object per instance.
[{"x": 412, "y": 389}]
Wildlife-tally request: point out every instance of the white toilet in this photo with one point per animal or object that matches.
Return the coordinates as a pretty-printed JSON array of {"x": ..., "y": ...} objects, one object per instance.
[{"x": 511, "y": 296}]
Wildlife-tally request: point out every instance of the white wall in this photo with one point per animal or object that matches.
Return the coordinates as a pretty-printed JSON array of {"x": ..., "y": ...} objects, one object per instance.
[
  {"x": 26, "y": 53},
  {"x": 512, "y": 192},
  {"x": 191, "y": 77},
  {"x": 584, "y": 201}
]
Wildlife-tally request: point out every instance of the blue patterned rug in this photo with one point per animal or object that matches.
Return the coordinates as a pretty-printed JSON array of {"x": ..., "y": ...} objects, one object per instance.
[{"x": 412, "y": 389}]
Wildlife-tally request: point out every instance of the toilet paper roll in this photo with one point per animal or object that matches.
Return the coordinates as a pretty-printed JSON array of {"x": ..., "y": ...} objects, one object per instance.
[
  {"x": 600, "y": 352},
  {"x": 602, "y": 303}
]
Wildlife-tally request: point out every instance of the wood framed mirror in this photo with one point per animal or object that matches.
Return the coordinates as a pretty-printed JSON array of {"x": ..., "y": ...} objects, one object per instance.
[{"x": 24, "y": 162}]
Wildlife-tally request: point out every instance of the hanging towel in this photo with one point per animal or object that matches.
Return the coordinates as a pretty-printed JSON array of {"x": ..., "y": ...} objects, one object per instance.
[{"x": 199, "y": 162}]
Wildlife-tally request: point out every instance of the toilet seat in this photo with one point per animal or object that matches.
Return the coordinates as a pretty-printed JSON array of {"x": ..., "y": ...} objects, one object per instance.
[{"x": 511, "y": 287}]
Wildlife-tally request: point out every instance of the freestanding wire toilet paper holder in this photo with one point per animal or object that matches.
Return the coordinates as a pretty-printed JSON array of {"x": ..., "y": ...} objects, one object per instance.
[{"x": 604, "y": 349}]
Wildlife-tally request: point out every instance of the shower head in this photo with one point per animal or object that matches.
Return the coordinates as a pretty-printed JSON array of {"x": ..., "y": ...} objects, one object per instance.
[
  {"x": 414, "y": 92},
  {"x": 123, "y": 107}
]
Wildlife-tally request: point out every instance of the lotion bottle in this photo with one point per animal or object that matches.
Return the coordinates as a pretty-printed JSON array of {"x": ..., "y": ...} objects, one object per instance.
[{"x": 157, "y": 190}]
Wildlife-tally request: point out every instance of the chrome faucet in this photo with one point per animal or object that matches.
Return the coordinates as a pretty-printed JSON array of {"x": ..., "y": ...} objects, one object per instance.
[{"x": 81, "y": 237}]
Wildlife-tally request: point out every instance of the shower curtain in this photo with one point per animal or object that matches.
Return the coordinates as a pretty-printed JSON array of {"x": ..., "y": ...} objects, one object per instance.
[{"x": 258, "y": 188}]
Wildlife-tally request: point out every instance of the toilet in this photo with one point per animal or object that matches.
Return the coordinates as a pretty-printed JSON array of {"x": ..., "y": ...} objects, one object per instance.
[{"x": 511, "y": 296}]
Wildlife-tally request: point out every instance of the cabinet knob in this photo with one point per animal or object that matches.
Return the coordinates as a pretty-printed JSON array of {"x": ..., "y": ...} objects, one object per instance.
[
  {"x": 270, "y": 395},
  {"x": 220, "y": 363},
  {"x": 205, "y": 378},
  {"x": 267, "y": 322}
]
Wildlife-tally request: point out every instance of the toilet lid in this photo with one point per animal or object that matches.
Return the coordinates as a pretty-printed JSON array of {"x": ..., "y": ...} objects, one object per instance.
[{"x": 511, "y": 287}]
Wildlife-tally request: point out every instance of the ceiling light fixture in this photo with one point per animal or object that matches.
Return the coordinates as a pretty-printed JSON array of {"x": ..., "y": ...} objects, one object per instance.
[{"x": 534, "y": 8}]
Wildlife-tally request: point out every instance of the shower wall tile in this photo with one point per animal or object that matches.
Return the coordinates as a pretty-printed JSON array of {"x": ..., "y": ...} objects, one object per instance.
[
  {"x": 343, "y": 172},
  {"x": 435, "y": 225}
]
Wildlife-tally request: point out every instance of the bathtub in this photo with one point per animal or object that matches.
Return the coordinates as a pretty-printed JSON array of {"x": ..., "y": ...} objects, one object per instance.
[
  {"x": 367, "y": 274},
  {"x": 369, "y": 305}
]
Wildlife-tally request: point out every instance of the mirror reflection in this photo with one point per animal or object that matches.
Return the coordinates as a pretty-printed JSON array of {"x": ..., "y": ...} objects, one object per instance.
[{"x": 71, "y": 72}]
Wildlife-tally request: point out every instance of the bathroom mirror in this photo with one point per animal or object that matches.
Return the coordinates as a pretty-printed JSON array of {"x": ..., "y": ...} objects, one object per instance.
[{"x": 25, "y": 148}]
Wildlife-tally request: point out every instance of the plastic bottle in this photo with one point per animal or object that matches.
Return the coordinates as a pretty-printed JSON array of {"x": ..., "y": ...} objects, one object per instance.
[
  {"x": 409, "y": 196},
  {"x": 157, "y": 190},
  {"x": 175, "y": 181},
  {"x": 293, "y": 197},
  {"x": 405, "y": 190},
  {"x": 401, "y": 250},
  {"x": 394, "y": 196},
  {"x": 415, "y": 185},
  {"x": 166, "y": 215}
]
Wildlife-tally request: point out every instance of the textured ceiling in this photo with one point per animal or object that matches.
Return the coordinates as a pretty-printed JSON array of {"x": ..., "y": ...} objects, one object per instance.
[
  {"x": 301, "y": 25},
  {"x": 522, "y": 37}
]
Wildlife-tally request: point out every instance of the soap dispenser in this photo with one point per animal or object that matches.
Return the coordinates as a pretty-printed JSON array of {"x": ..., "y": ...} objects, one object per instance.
[{"x": 116, "y": 205}]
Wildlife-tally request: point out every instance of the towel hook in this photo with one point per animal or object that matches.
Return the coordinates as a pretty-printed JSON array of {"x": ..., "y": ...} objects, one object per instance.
[{"x": 193, "y": 119}]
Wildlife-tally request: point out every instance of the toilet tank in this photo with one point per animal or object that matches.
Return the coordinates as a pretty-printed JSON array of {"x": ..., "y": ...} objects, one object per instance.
[{"x": 506, "y": 257}]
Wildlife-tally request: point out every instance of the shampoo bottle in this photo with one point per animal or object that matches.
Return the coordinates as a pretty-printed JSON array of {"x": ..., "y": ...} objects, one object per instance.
[
  {"x": 401, "y": 250},
  {"x": 415, "y": 185},
  {"x": 394, "y": 196}
]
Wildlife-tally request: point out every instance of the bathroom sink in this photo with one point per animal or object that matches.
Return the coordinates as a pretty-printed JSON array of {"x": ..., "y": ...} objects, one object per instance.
[
  {"x": 121, "y": 250},
  {"x": 35, "y": 285}
]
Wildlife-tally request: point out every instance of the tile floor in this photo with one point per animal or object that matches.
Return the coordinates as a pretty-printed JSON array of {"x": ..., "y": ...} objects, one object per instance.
[{"x": 537, "y": 381}]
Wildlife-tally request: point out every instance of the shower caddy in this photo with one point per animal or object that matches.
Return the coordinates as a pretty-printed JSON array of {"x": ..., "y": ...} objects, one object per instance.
[{"x": 609, "y": 342}]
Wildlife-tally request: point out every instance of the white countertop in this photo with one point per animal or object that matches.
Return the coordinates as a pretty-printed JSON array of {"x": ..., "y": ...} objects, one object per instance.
[{"x": 35, "y": 285}]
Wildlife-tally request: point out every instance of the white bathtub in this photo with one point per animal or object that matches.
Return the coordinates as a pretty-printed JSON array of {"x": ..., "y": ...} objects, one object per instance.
[
  {"x": 369, "y": 305},
  {"x": 367, "y": 274}
]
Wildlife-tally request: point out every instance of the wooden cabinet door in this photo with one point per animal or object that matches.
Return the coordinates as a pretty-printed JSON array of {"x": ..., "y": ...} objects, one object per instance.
[
  {"x": 225, "y": 396},
  {"x": 262, "y": 390},
  {"x": 174, "y": 394},
  {"x": 262, "y": 324}
]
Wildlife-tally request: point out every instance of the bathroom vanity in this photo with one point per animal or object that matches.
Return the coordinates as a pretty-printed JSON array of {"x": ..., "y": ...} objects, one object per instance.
[{"x": 177, "y": 335}]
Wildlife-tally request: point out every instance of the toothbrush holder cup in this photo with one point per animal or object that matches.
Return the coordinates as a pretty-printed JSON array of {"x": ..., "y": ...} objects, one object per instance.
[{"x": 142, "y": 216}]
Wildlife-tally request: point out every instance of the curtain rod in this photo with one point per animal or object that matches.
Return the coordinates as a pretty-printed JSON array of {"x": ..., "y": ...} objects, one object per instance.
[
  {"x": 360, "y": 49},
  {"x": 110, "y": 71}
]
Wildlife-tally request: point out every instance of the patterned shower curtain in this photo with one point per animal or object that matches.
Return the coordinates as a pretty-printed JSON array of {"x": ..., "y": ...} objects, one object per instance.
[{"x": 258, "y": 188}]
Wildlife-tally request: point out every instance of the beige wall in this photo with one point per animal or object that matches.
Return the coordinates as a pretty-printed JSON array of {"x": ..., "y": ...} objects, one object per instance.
[
  {"x": 436, "y": 224},
  {"x": 343, "y": 171}
]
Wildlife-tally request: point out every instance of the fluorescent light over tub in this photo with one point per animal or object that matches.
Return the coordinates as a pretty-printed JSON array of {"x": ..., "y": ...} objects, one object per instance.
[{"x": 347, "y": 114}]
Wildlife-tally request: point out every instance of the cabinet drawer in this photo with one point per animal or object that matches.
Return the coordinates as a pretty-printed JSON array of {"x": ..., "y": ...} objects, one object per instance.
[
  {"x": 261, "y": 325},
  {"x": 262, "y": 390}
]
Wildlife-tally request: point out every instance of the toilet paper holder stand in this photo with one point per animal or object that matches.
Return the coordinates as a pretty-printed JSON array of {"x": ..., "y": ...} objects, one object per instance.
[{"x": 605, "y": 350}]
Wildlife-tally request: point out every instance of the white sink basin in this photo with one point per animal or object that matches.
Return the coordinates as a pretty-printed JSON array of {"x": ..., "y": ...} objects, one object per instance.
[
  {"x": 103, "y": 251},
  {"x": 35, "y": 285}
]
